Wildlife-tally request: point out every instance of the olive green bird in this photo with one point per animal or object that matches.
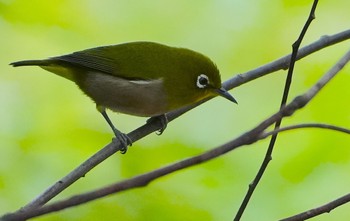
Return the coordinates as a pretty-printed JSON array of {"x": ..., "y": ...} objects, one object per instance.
[{"x": 138, "y": 78}]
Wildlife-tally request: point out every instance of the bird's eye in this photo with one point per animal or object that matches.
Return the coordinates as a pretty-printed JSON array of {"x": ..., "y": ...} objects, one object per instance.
[{"x": 202, "y": 81}]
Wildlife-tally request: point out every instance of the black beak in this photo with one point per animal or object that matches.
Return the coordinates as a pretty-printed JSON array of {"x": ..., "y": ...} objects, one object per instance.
[{"x": 223, "y": 93}]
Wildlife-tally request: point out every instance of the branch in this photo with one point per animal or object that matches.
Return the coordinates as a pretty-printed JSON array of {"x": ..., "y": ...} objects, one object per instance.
[
  {"x": 146, "y": 129},
  {"x": 319, "y": 210},
  {"x": 142, "y": 180},
  {"x": 283, "y": 62},
  {"x": 310, "y": 125},
  {"x": 268, "y": 154}
]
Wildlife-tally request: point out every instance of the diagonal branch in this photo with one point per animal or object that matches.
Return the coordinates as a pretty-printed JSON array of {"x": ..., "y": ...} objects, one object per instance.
[
  {"x": 146, "y": 129},
  {"x": 319, "y": 210},
  {"x": 142, "y": 180}
]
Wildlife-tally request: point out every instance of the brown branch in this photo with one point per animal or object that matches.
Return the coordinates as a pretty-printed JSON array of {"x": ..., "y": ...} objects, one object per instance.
[
  {"x": 144, "y": 130},
  {"x": 144, "y": 179},
  {"x": 319, "y": 210}
]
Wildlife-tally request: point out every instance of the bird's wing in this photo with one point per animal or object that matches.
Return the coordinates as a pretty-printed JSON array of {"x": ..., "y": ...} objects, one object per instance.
[
  {"x": 91, "y": 59},
  {"x": 128, "y": 60}
]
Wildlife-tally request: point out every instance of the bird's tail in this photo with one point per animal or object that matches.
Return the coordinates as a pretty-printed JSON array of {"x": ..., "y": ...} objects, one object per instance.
[
  {"x": 30, "y": 63},
  {"x": 49, "y": 65}
]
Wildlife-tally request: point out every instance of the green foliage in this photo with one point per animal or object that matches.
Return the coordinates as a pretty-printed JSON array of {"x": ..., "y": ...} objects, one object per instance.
[{"x": 47, "y": 127}]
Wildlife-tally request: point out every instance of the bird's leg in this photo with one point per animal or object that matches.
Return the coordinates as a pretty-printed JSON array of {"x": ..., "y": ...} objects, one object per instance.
[
  {"x": 123, "y": 138},
  {"x": 163, "y": 121}
]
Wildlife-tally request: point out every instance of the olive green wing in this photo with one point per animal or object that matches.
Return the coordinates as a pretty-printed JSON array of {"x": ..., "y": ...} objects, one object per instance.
[
  {"x": 129, "y": 60},
  {"x": 96, "y": 59}
]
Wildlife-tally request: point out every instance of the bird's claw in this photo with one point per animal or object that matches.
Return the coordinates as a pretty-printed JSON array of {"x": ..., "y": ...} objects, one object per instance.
[
  {"x": 163, "y": 121},
  {"x": 124, "y": 140}
]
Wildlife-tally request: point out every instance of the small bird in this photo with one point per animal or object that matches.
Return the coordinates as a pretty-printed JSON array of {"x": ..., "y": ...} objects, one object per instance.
[{"x": 138, "y": 78}]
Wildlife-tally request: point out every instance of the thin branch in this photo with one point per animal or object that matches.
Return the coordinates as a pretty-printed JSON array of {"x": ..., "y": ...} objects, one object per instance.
[
  {"x": 268, "y": 154},
  {"x": 310, "y": 125},
  {"x": 319, "y": 210},
  {"x": 283, "y": 62},
  {"x": 146, "y": 129},
  {"x": 144, "y": 179}
]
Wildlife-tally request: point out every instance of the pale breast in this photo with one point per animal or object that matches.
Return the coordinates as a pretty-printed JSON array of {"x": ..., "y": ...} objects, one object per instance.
[{"x": 134, "y": 97}]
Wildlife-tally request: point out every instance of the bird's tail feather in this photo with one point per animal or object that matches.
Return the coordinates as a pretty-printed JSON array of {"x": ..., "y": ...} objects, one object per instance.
[
  {"x": 49, "y": 65},
  {"x": 30, "y": 63}
]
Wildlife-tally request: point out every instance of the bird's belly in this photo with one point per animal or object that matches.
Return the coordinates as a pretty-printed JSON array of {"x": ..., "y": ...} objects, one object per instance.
[{"x": 140, "y": 98}]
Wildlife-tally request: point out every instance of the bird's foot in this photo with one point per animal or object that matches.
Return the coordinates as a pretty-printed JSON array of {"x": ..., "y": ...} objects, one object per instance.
[
  {"x": 162, "y": 120},
  {"x": 124, "y": 140}
]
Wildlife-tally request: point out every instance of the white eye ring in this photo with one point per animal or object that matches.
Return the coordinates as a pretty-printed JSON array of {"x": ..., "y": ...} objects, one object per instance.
[{"x": 202, "y": 81}]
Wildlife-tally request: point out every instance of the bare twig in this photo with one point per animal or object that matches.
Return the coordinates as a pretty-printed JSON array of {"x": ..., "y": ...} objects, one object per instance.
[
  {"x": 268, "y": 155},
  {"x": 144, "y": 130},
  {"x": 309, "y": 125},
  {"x": 319, "y": 210},
  {"x": 144, "y": 179}
]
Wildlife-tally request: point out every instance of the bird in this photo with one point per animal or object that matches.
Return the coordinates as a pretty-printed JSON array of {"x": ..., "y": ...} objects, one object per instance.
[{"x": 141, "y": 78}]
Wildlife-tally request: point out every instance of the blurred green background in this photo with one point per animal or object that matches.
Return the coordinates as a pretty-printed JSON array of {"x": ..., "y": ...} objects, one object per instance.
[{"x": 47, "y": 127}]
